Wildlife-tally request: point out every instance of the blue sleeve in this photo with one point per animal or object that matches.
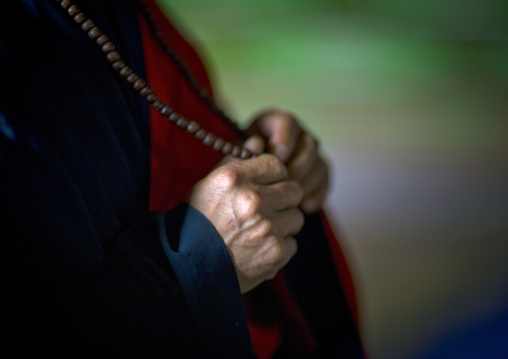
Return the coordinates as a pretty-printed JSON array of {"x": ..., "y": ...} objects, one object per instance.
[{"x": 207, "y": 276}]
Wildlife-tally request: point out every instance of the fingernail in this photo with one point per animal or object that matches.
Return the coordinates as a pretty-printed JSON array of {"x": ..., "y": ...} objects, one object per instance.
[
  {"x": 307, "y": 207},
  {"x": 281, "y": 151}
]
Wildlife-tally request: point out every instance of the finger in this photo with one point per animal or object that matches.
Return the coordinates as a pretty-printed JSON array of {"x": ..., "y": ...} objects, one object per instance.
[
  {"x": 281, "y": 195},
  {"x": 316, "y": 178},
  {"x": 290, "y": 248},
  {"x": 314, "y": 201},
  {"x": 264, "y": 169},
  {"x": 278, "y": 255},
  {"x": 282, "y": 132},
  {"x": 288, "y": 222},
  {"x": 255, "y": 144},
  {"x": 304, "y": 159}
]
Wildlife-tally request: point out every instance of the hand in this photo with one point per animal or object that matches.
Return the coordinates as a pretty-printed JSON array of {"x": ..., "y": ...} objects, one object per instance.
[
  {"x": 254, "y": 209},
  {"x": 299, "y": 151}
]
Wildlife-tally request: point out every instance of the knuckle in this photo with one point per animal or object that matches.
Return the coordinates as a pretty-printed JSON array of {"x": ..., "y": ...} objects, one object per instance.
[
  {"x": 276, "y": 255},
  {"x": 298, "y": 191},
  {"x": 266, "y": 228},
  {"x": 297, "y": 220},
  {"x": 280, "y": 254},
  {"x": 272, "y": 160},
  {"x": 227, "y": 176},
  {"x": 277, "y": 165},
  {"x": 249, "y": 202},
  {"x": 294, "y": 190}
]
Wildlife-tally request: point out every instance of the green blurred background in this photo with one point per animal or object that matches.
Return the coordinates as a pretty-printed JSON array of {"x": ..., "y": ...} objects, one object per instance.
[{"x": 410, "y": 101}]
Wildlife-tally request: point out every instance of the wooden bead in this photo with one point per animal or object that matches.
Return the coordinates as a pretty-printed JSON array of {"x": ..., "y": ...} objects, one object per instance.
[
  {"x": 209, "y": 139},
  {"x": 236, "y": 152},
  {"x": 166, "y": 110},
  {"x": 192, "y": 127},
  {"x": 157, "y": 105},
  {"x": 139, "y": 84},
  {"x": 145, "y": 91},
  {"x": 227, "y": 148},
  {"x": 73, "y": 10},
  {"x": 120, "y": 64},
  {"x": 94, "y": 32},
  {"x": 113, "y": 56},
  {"x": 79, "y": 18},
  {"x": 125, "y": 71},
  {"x": 182, "y": 122},
  {"x": 101, "y": 40},
  {"x": 218, "y": 144},
  {"x": 65, "y": 4},
  {"x": 200, "y": 134},
  {"x": 108, "y": 47},
  {"x": 87, "y": 25},
  {"x": 132, "y": 77},
  {"x": 151, "y": 98},
  {"x": 245, "y": 154},
  {"x": 173, "y": 117}
]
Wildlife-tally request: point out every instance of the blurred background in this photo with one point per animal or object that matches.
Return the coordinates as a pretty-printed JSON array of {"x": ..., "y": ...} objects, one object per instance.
[{"x": 409, "y": 99}]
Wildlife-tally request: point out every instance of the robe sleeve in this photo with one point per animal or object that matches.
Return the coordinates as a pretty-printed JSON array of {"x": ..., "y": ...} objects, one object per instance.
[
  {"x": 207, "y": 277},
  {"x": 162, "y": 284},
  {"x": 85, "y": 267}
]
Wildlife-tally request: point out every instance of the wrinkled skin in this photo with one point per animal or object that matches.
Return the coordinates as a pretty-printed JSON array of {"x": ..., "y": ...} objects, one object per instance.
[{"x": 256, "y": 205}]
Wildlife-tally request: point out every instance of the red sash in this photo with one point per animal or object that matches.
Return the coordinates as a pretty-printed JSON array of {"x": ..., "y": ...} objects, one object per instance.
[{"x": 178, "y": 161}]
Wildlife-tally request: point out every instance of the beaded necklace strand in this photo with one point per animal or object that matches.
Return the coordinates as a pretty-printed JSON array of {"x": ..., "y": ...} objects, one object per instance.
[{"x": 139, "y": 84}]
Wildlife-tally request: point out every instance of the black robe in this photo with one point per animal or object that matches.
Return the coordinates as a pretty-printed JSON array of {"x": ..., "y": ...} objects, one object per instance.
[{"x": 91, "y": 270}]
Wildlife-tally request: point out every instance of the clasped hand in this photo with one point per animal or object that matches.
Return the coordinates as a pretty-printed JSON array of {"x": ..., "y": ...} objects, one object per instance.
[{"x": 256, "y": 205}]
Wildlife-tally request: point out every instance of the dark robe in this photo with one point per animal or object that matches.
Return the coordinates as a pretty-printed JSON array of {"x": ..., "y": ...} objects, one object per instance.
[{"x": 103, "y": 256}]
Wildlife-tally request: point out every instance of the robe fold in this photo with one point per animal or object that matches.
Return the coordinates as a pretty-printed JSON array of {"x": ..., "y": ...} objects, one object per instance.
[{"x": 104, "y": 258}]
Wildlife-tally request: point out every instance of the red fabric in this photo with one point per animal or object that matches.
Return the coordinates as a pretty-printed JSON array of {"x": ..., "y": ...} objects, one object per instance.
[
  {"x": 342, "y": 267},
  {"x": 178, "y": 161},
  {"x": 273, "y": 316},
  {"x": 266, "y": 340}
]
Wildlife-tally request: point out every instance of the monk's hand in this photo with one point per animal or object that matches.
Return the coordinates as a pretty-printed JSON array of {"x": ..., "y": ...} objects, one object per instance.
[
  {"x": 299, "y": 151},
  {"x": 254, "y": 208}
]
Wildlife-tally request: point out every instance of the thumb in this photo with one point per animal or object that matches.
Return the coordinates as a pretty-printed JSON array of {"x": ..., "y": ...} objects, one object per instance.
[
  {"x": 255, "y": 144},
  {"x": 282, "y": 132}
]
